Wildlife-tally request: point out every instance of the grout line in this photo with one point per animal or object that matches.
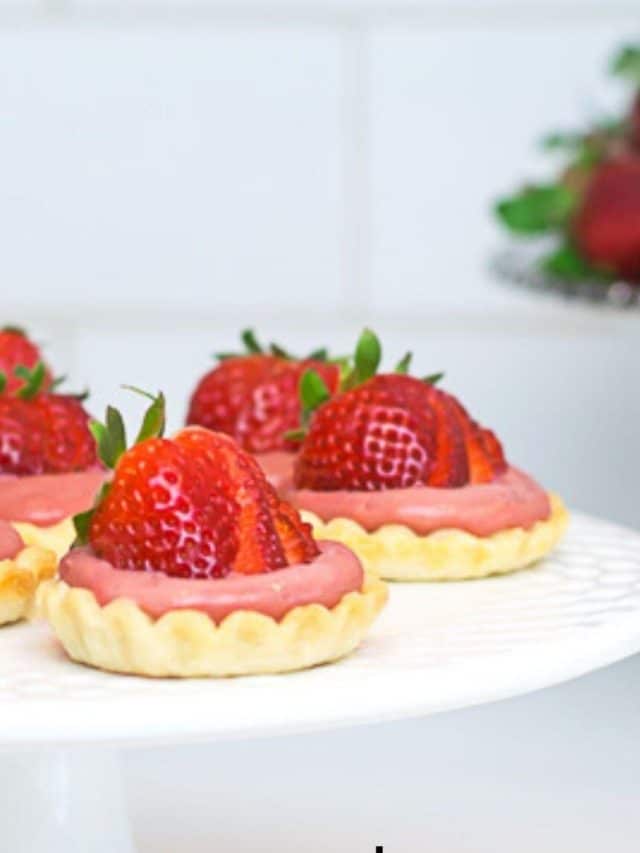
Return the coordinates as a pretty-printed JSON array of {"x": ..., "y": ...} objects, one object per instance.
[
  {"x": 324, "y": 15},
  {"x": 356, "y": 238}
]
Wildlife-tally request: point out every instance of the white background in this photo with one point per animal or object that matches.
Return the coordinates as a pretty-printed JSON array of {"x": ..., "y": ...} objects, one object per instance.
[{"x": 171, "y": 171}]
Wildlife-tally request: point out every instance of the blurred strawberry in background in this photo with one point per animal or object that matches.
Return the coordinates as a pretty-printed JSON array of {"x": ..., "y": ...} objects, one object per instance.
[
  {"x": 593, "y": 207},
  {"x": 606, "y": 227}
]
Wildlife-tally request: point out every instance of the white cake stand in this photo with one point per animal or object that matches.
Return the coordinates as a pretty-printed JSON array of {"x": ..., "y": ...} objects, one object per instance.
[{"x": 436, "y": 647}]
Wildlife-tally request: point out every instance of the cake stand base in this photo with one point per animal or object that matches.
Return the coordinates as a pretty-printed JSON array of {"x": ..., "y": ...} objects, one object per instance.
[{"x": 63, "y": 801}]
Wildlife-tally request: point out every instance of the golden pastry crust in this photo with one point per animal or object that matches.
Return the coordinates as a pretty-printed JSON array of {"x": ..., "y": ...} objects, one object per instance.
[
  {"x": 57, "y": 537},
  {"x": 122, "y": 638},
  {"x": 395, "y": 552},
  {"x": 19, "y": 578}
]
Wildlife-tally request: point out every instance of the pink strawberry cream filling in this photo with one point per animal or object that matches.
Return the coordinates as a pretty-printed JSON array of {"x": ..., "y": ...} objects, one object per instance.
[
  {"x": 46, "y": 499},
  {"x": 326, "y": 580},
  {"x": 513, "y": 499},
  {"x": 10, "y": 542},
  {"x": 277, "y": 466}
]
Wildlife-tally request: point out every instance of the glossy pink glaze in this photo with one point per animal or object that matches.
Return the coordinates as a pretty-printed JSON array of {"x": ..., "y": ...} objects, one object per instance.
[
  {"x": 10, "y": 541},
  {"x": 511, "y": 500},
  {"x": 46, "y": 499},
  {"x": 326, "y": 580},
  {"x": 278, "y": 468}
]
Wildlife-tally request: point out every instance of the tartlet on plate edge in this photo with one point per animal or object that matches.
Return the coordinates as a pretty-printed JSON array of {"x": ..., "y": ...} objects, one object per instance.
[
  {"x": 20, "y": 577},
  {"x": 121, "y": 637},
  {"x": 189, "y": 564}
]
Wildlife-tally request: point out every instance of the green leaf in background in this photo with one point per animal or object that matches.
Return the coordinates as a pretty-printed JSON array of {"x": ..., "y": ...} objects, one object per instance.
[
  {"x": 536, "y": 210},
  {"x": 567, "y": 263},
  {"x": 627, "y": 63}
]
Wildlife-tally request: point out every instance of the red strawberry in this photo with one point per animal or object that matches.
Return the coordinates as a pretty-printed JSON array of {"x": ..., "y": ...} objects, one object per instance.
[
  {"x": 254, "y": 398},
  {"x": 271, "y": 534},
  {"x": 17, "y": 351},
  {"x": 222, "y": 393},
  {"x": 191, "y": 506},
  {"x": 44, "y": 434},
  {"x": 607, "y": 226},
  {"x": 392, "y": 431}
]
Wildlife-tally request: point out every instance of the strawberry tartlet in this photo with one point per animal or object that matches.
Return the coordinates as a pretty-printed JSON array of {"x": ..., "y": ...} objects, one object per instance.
[
  {"x": 190, "y": 565},
  {"x": 49, "y": 470},
  {"x": 396, "y": 469},
  {"x": 254, "y": 397},
  {"x": 22, "y": 568}
]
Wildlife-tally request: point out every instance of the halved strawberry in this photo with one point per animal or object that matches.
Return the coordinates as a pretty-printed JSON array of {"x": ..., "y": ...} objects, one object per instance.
[
  {"x": 255, "y": 397},
  {"x": 195, "y": 505},
  {"x": 390, "y": 431}
]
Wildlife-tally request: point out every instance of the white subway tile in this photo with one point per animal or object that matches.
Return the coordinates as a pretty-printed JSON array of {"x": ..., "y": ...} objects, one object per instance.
[
  {"x": 194, "y": 166},
  {"x": 455, "y": 116}
]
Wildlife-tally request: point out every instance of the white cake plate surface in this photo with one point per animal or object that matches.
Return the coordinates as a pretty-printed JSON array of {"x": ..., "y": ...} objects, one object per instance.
[{"x": 436, "y": 647}]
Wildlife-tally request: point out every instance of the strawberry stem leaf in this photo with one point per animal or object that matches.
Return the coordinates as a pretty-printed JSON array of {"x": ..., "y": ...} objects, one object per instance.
[
  {"x": 404, "y": 364},
  {"x": 82, "y": 521},
  {"x": 17, "y": 330},
  {"x": 100, "y": 436},
  {"x": 433, "y": 378},
  {"x": 250, "y": 341},
  {"x": 33, "y": 380},
  {"x": 298, "y": 434},
  {"x": 110, "y": 437},
  {"x": 154, "y": 420},
  {"x": 3, "y": 381},
  {"x": 117, "y": 432},
  {"x": 252, "y": 346},
  {"x": 279, "y": 352},
  {"x": 321, "y": 354},
  {"x": 57, "y": 382},
  {"x": 366, "y": 360},
  {"x": 313, "y": 392}
]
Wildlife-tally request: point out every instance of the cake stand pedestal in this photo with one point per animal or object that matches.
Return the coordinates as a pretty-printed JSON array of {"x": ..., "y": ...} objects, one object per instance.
[
  {"x": 63, "y": 800},
  {"x": 436, "y": 647}
]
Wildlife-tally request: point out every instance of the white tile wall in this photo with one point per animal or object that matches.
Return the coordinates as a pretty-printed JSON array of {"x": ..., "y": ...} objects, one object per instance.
[{"x": 199, "y": 167}]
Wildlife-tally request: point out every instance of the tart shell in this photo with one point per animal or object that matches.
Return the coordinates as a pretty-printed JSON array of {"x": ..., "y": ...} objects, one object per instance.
[
  {"x": 121, "y": 637},
  {"x": 56, "y": 537},
  {"x": 19, "y": 578},
  {"x": 395, "y": 552}
]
